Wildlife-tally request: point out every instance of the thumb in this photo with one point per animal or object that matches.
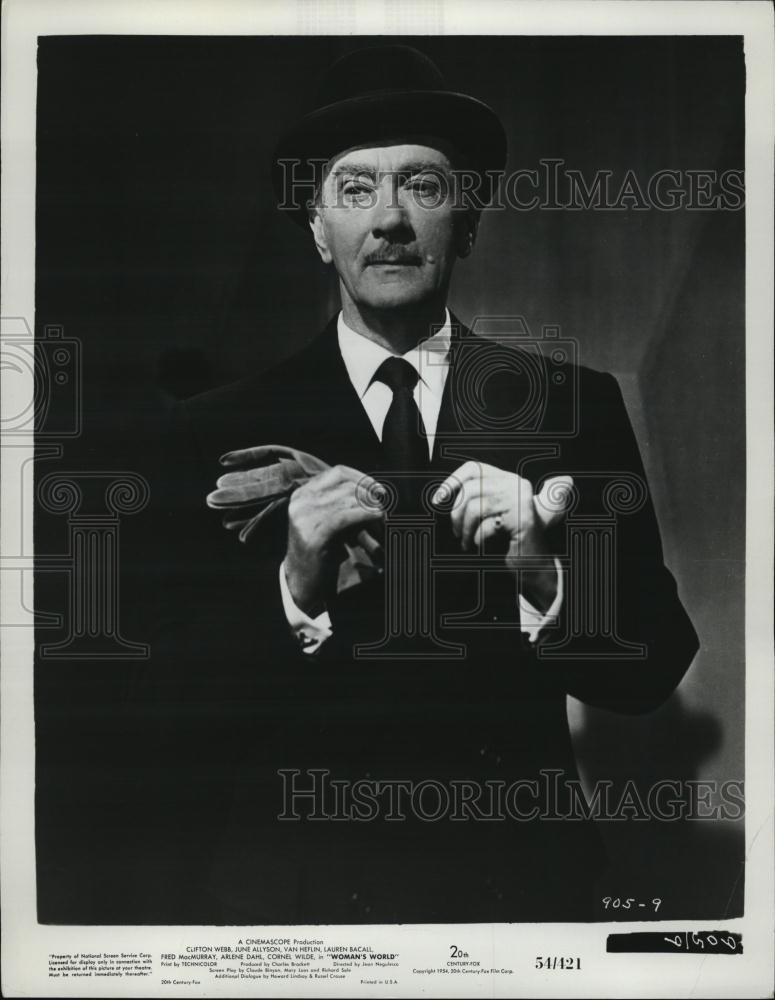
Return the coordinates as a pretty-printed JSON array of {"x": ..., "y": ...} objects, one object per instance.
[{"x": 553, "y": 501}]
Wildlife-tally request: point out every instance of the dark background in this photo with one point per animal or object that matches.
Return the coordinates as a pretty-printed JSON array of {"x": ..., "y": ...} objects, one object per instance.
[{"x": 159, "y": 247}]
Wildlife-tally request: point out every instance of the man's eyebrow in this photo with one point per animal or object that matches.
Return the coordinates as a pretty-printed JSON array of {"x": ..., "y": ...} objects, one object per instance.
[
  {"x": 361, "y": 169},
  {"x": 422, "y": 166},
  {"x": 368, "y": 170}
]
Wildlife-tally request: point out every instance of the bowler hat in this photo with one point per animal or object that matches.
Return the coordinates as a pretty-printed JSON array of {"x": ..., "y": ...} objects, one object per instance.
[{"x": 379, "y": 93}]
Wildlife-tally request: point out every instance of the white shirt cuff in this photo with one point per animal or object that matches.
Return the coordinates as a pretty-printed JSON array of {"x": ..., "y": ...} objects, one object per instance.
[
  {"x": 533, "y": 621},
  {"x": 311, "y": 632}
]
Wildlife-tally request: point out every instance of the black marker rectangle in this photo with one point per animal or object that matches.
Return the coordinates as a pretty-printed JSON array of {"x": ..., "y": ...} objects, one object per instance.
[{"x": 677, "y": 942}]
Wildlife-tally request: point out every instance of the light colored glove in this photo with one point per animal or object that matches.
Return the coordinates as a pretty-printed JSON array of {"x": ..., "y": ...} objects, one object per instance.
[{"x": 261, "y": 480}]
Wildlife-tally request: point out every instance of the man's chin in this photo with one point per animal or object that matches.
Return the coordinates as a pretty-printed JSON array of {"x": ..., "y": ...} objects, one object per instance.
[{"x": 398, "y": 297}]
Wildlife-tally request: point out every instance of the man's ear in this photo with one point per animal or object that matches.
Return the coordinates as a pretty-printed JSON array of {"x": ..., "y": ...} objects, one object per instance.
[{"x": 319, "y": 235}]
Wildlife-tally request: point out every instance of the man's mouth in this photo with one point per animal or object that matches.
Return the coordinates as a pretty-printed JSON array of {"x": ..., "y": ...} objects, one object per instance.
[{"x": 393, "y": 260}]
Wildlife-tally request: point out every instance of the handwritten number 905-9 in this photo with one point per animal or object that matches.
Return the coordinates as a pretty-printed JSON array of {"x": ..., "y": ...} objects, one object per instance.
[{"x": 628, "y": 903}]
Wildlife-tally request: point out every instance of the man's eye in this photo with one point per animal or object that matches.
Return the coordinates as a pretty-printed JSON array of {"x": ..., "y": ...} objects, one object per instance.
[
  {"x": 425, "y": 187},
  {"x": 357, "y": 189}
]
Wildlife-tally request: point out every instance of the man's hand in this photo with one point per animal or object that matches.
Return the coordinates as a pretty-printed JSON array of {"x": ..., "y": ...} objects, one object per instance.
[
  {"x": 324, "y": 514},
  {"x": 489, "y": 504}
]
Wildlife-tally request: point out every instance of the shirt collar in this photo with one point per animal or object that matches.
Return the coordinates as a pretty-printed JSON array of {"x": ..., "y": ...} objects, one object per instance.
[{"x": 362, "y": 357}]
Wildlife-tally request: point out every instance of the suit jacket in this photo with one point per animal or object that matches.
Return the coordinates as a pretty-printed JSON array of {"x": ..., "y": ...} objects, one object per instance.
[{"x": 473, "y": 701}]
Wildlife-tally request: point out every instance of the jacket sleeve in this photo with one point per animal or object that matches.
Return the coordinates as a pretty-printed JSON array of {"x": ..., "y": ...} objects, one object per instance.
[
  {"x": 218, "y": 631},
  {"x": 626, "y": 638}
]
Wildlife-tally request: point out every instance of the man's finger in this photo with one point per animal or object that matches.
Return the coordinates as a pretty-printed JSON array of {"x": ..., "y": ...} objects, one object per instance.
[
  {"x": 371, "y": 546},
  {"x": 552, "y": 503},
  {"x": 487, "y": 528},
  {"x": 477, "y": 509},
  {"x": 454, "y": 482},
  {"x": 465, "y": 505},
  {"x": 365, "y": 541}
]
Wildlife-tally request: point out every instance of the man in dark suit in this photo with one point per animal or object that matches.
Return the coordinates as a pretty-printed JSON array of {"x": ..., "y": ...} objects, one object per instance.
[{"x": 507, "y": 555}]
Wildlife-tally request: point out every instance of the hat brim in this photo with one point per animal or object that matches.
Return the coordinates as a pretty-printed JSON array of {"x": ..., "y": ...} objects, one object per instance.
[{"x": 469, "y": 125}]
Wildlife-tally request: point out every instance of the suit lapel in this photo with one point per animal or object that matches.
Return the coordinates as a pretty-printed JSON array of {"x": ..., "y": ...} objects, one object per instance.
[
  {"x": 338, "y": 421},
  {"x": 448, "y": 426}
]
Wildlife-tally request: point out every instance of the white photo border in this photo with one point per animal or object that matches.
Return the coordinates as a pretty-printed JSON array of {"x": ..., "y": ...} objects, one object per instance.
[{"x": 26, "y": 944}]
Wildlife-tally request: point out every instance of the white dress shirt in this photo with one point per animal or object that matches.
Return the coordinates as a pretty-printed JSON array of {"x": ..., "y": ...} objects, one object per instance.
[{"x": 362, "y": 357}]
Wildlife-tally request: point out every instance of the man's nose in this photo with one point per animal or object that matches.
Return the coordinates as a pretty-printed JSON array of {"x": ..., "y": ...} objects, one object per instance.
[{"x": 390, "y": 216}]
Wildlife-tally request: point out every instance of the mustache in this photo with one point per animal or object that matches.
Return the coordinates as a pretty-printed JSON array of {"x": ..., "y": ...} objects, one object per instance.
[{"x": 393, "y": 255}]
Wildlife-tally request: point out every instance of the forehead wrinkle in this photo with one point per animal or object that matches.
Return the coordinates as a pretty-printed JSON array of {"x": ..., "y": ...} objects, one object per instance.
[
  {"x": 407, "y": 166},
  {"x": 419, "y": 166},
  {"x": 354, "y": 168}
]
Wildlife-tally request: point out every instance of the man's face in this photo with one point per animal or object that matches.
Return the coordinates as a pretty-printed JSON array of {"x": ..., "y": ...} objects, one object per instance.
[{"x": 386, "y": 222}]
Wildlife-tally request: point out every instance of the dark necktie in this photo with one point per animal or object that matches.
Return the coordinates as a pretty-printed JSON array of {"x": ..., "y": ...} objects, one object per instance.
[{"x": 404, "y": 441}]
